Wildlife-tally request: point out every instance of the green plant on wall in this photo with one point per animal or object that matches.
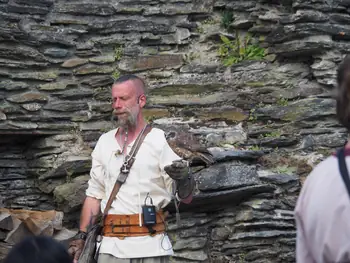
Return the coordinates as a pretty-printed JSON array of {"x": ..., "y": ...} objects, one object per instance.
[
  {"x": 116, "y": 74},
  {"x": 118, "y": 52},
  {"x": 226, "y": 19},
  {"x": 238, "y": 50}
]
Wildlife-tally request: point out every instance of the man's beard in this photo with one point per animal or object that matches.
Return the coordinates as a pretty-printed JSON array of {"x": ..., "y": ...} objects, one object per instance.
[{"x": 127, "y": 120}]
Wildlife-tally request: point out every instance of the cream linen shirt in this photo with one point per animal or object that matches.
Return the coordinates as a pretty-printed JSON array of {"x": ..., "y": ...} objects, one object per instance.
[
  {"x": 147, "y": 175},
  {"x": 322, "y": 215}
]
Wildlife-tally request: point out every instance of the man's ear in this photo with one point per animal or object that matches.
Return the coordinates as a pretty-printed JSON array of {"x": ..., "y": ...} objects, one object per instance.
[{"x": 142, "y": 100}]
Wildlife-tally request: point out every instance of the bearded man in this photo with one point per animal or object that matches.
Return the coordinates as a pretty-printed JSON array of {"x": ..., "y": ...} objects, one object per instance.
[{"x": 155, "y": 175}]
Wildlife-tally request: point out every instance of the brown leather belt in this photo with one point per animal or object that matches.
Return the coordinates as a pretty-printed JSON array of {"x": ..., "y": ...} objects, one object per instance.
[{"x": 128, "y": 226}]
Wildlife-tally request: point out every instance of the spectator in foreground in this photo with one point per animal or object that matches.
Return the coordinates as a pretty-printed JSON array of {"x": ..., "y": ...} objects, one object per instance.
[
  {"x": 322, "y": 211},
  {"x": 38, "y": 249}
]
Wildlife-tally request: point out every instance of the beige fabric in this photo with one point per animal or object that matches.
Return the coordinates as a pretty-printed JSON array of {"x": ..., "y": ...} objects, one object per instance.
[
  {"x": 106, "y": 258},
  {"x": 147, "y": 175},
  {"x": 322, "y": 216}
]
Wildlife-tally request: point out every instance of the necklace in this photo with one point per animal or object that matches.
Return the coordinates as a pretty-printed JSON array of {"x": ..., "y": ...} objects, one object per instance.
[
  {"x": 119, "y": 152},
  {"x": 125, "y": 140}
]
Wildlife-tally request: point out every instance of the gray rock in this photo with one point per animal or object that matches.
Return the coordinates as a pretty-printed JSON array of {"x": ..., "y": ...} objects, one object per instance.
[
  {"x": 70, "y": 196},
  {"x": 305, "y": 16},
  {"x": 191, "y": 255},
  {"x": 262, "y": 234},
  {"x": 74, "y": 94},
  {"x": 331, "y": 140},
  {"x": 97, "y": 81},
  {"x": 63, "y": 106},
  {"x": 72, "y": 166},
  {"x": 11, "y": 85},
  {"x": 253, "y": 243},
  {"x": 151, "y": 62},
  {"x": 298, "y": 111},
  {"x": 129, "y": 25},
  {"x": 241, "y": 6},
  {"x": 205, "y": 201},
  {"x": 2, "y": 116},
  {"x": 56, "y": 52},
  {"x": 28, "y": 97},
  {"x": 99, "y": 9},
  {"x": 188, "y": 222},
  {"x": 32, "y": 106},
  {"x": 274, "y": 142},
  {"x": 324, "y": 6},
  {"x": 220, "y": 233},
  {"x": 227, "y": 176},
  {"x": 200, "y": 68},
  {"x": 190, "y": 243},
  {"x": 230, "y": 155},
  {"x": 308, "y": 45}
]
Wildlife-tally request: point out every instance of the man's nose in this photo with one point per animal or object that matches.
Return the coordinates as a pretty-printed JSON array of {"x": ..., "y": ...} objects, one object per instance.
[{"x": 116, "y": 104}]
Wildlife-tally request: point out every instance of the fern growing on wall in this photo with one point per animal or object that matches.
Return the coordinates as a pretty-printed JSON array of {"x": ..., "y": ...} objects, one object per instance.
[{"x": 239, "y": 49}]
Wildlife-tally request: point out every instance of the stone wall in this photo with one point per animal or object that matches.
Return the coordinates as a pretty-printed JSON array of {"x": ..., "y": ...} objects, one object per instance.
[{"x": 267, "y": 121}]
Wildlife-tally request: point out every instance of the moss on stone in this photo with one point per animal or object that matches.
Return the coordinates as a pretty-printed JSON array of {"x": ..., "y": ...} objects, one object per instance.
[
  {"x": 230, "y": 115},
  {"x": 154, "y": 113}
]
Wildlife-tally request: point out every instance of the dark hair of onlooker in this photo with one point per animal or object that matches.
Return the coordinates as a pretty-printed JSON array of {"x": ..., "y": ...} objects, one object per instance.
[
  {"x": 38, "y": 249},
  {"x": 343, "y": 93}
]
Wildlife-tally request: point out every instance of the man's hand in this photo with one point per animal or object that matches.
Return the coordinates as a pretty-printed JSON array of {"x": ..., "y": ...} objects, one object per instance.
[
  {"x": 178, "y": 170},
  {"x": 75, "y": 248}
]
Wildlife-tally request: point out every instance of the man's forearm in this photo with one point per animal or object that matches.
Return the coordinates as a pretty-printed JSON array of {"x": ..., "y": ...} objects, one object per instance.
[{"x": 90, "y": 211}]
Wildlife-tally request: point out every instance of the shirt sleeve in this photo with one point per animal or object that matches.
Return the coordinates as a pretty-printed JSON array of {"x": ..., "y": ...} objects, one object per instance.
[
  {"x": 166, "y": 158},
  {"x": 96, "y": 187},
  {"x": 303, "y": 254}
]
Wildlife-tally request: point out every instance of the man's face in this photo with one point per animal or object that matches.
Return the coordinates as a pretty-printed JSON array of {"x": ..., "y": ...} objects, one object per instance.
[{"x": 125, "y": 104}]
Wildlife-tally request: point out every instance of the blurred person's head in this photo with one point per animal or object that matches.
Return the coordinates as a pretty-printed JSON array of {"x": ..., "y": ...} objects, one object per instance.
[
  {"x": 38, "y": 249},
  {"x": 343, "y": 93}
]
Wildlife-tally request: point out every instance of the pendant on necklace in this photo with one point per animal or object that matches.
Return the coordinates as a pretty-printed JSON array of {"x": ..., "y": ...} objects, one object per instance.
[{"x": 119, "y": 152}]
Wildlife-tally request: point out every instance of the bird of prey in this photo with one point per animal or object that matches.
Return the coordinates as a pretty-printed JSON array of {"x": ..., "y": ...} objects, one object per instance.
[{"x": 185, "y": 145}]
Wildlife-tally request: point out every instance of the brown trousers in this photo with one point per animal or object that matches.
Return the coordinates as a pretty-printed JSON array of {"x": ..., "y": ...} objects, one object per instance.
[{"x": 106, "y": 258}]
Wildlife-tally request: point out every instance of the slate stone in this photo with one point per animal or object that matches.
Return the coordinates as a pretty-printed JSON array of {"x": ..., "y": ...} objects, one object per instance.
[
  {"x": 305, "y": 109},
  {"x": 191, "y": 244},
  {"x": 71, "y": 63},
  {"x": 28, "y": 97},
  {"x": 19, "y": 52},
  {"x": 227, "y": 176},
  {"x": 74, "y": 94},
  {"x": 280, "y": 178},
  {"x": 2, "y": 116},
  {"x": 308, "y": 45},
  {"x": 151, "y": 62},
  {"x": 199, "y": 255},
  {"x": 98, "y": 81},
  {"x": 54, "y": 86},
  {"x": 241, "y": 6},
  {"x": 56, "y": 52},
  {"x": 27, "y": 9},
  {"x": 99, "y": 9},
  {"x": 63, "y": 106},
  {"x": 261, "y": 234},
  {"x": 70, "y": 195},
  {"x": 12, "y": 85},
  {"x": 43, "y": 75},
  {"x": 130, "y": 25},
  {"x": 32, "y": 106},
  {"x": 205, "y": 201},
  {"x": 92, "y": 69},
  {"x": 229, "y": 155}
]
